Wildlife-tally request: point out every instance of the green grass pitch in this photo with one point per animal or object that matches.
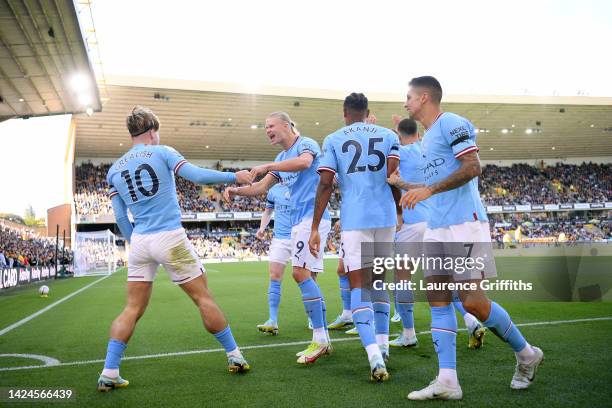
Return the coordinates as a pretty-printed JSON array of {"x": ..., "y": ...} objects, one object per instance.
[{"x": 576, "y": 371}]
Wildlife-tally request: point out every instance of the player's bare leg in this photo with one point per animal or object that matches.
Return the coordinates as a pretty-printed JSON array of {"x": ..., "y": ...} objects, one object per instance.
[
  {"x": 215, "y": 322},
  {"x": 122, "y": 328},
  {"x": 138, "y": 295},
  {"x": 212, "y": 317}
]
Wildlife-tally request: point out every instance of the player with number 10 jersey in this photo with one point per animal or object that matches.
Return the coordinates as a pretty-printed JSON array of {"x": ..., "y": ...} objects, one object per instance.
[{"x": 143, "y": 181}]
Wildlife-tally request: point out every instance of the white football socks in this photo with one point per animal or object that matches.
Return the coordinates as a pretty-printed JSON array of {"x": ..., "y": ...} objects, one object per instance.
[
  {"x": 526, "y": 355},
  {"x": 382, "y": 340},
  {"x": 409, "y": 333},
  {"x": 470, "y": 320},
  {"x": 448, "y": 376},
  {"x": 373, "y": 350},
  {"x": 110, "y": 372},
  {"x": 319, "y": 335}
]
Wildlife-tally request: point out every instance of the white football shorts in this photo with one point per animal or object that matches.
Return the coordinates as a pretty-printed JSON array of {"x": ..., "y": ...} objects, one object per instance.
[
  {"x": 300, "y": 235},
  {"x": 172, "y": 249}
]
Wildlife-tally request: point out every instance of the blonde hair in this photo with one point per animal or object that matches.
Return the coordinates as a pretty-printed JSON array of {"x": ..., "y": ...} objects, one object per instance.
[
  {"x": 284, "y": 116},
  {"x": 141, "y": 120}
]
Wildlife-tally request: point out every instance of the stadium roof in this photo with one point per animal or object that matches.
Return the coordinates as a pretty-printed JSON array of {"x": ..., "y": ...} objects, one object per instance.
[
  {"x": 225, "y": 122},
  {"x": 44, "y": 66}
]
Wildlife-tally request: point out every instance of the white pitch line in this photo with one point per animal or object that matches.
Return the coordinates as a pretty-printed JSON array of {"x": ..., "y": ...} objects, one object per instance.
[
  {"x": 47, "y": 308},
  {"x": 273, "y": 345},
  {"x": 49, "y": 361}
]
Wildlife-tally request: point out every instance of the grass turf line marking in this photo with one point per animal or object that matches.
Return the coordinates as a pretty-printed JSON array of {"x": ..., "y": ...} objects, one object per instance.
[
  {"x": 47, "y": 308},
  {"x": 49, "y": 361},
  {"x": 274, "y": 345}
]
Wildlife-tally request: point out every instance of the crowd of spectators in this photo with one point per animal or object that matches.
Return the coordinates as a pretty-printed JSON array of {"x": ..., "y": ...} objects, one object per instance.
[
  {"x": 192, "y": 200},
  {"x": 91, "y": 193},
  {"x": 22, "y": 247},
  {"x": 576, "y": 229},
  {"x": 240, "y": 203},
  {"x": 562, "y": 183},
  {"x": 223, "y": 241},
  {"x": 91, "y": 189},
  {"x": 518, "y": 184},
  {"x": 239, "y": 241}
]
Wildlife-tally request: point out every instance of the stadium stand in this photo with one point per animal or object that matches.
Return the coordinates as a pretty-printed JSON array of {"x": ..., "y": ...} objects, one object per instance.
[
  {"x": 518, "y": 184},
  {"x": 238, "y": 242},
  {"x": 563, "y": 183},
  {"x": 531, "y": 226},
  {"x": 23, "y": 248},
  {"x": 91, "y": 192}
]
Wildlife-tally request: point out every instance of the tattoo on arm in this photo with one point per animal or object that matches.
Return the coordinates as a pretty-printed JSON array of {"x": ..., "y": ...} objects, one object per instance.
[
  {"x": 404, "y": 185},
  {"x": 470, "y": 168}
]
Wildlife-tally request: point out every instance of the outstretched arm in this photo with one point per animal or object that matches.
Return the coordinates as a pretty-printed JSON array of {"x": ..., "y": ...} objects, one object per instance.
[
  {"x": 302, "y": 162},
  {"x": 253, "y": 190},
  {"x": 199, "y": 175}
]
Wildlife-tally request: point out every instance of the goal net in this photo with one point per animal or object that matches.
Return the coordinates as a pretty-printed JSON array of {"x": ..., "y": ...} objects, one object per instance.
[{"x": 95, "y": 253}]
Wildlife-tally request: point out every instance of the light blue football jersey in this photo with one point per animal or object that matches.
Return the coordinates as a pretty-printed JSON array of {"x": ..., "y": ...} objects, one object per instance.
[
  {"x": 450, "y": 137},
  {"x": 144, "y": 179},
  {"x": 302, "y": 184},
  {"x": 411, "y": 170},
  {"x": 358, "y": 154},
  {"x": 279, "y": 199}
]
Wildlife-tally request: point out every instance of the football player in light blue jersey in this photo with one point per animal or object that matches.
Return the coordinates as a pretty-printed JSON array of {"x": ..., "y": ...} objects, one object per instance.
[
  {"x": 143, "y": 181},
  {"x": 296, "y": 167},
  {"x": 362, "y": 156},
  {"x": 451, "y": 170},
  {"x": 278, "y": 203},
  {"x": 413, "y": 225},
  {"x": 412, "y": 231}
]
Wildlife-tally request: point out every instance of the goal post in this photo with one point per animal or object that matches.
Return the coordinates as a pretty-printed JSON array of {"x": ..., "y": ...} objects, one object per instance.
[{"x": 95, "y": 253}]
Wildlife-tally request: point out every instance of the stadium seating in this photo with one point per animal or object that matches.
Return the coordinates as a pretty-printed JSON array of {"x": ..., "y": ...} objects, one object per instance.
[
  {"x": 238, "y": 242},
  {"x": 518, "y": 184},
  {"x": 23, "y": 248},
  {"x": 574, "y": 229},
  {"x": 563, "y": 183}
]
